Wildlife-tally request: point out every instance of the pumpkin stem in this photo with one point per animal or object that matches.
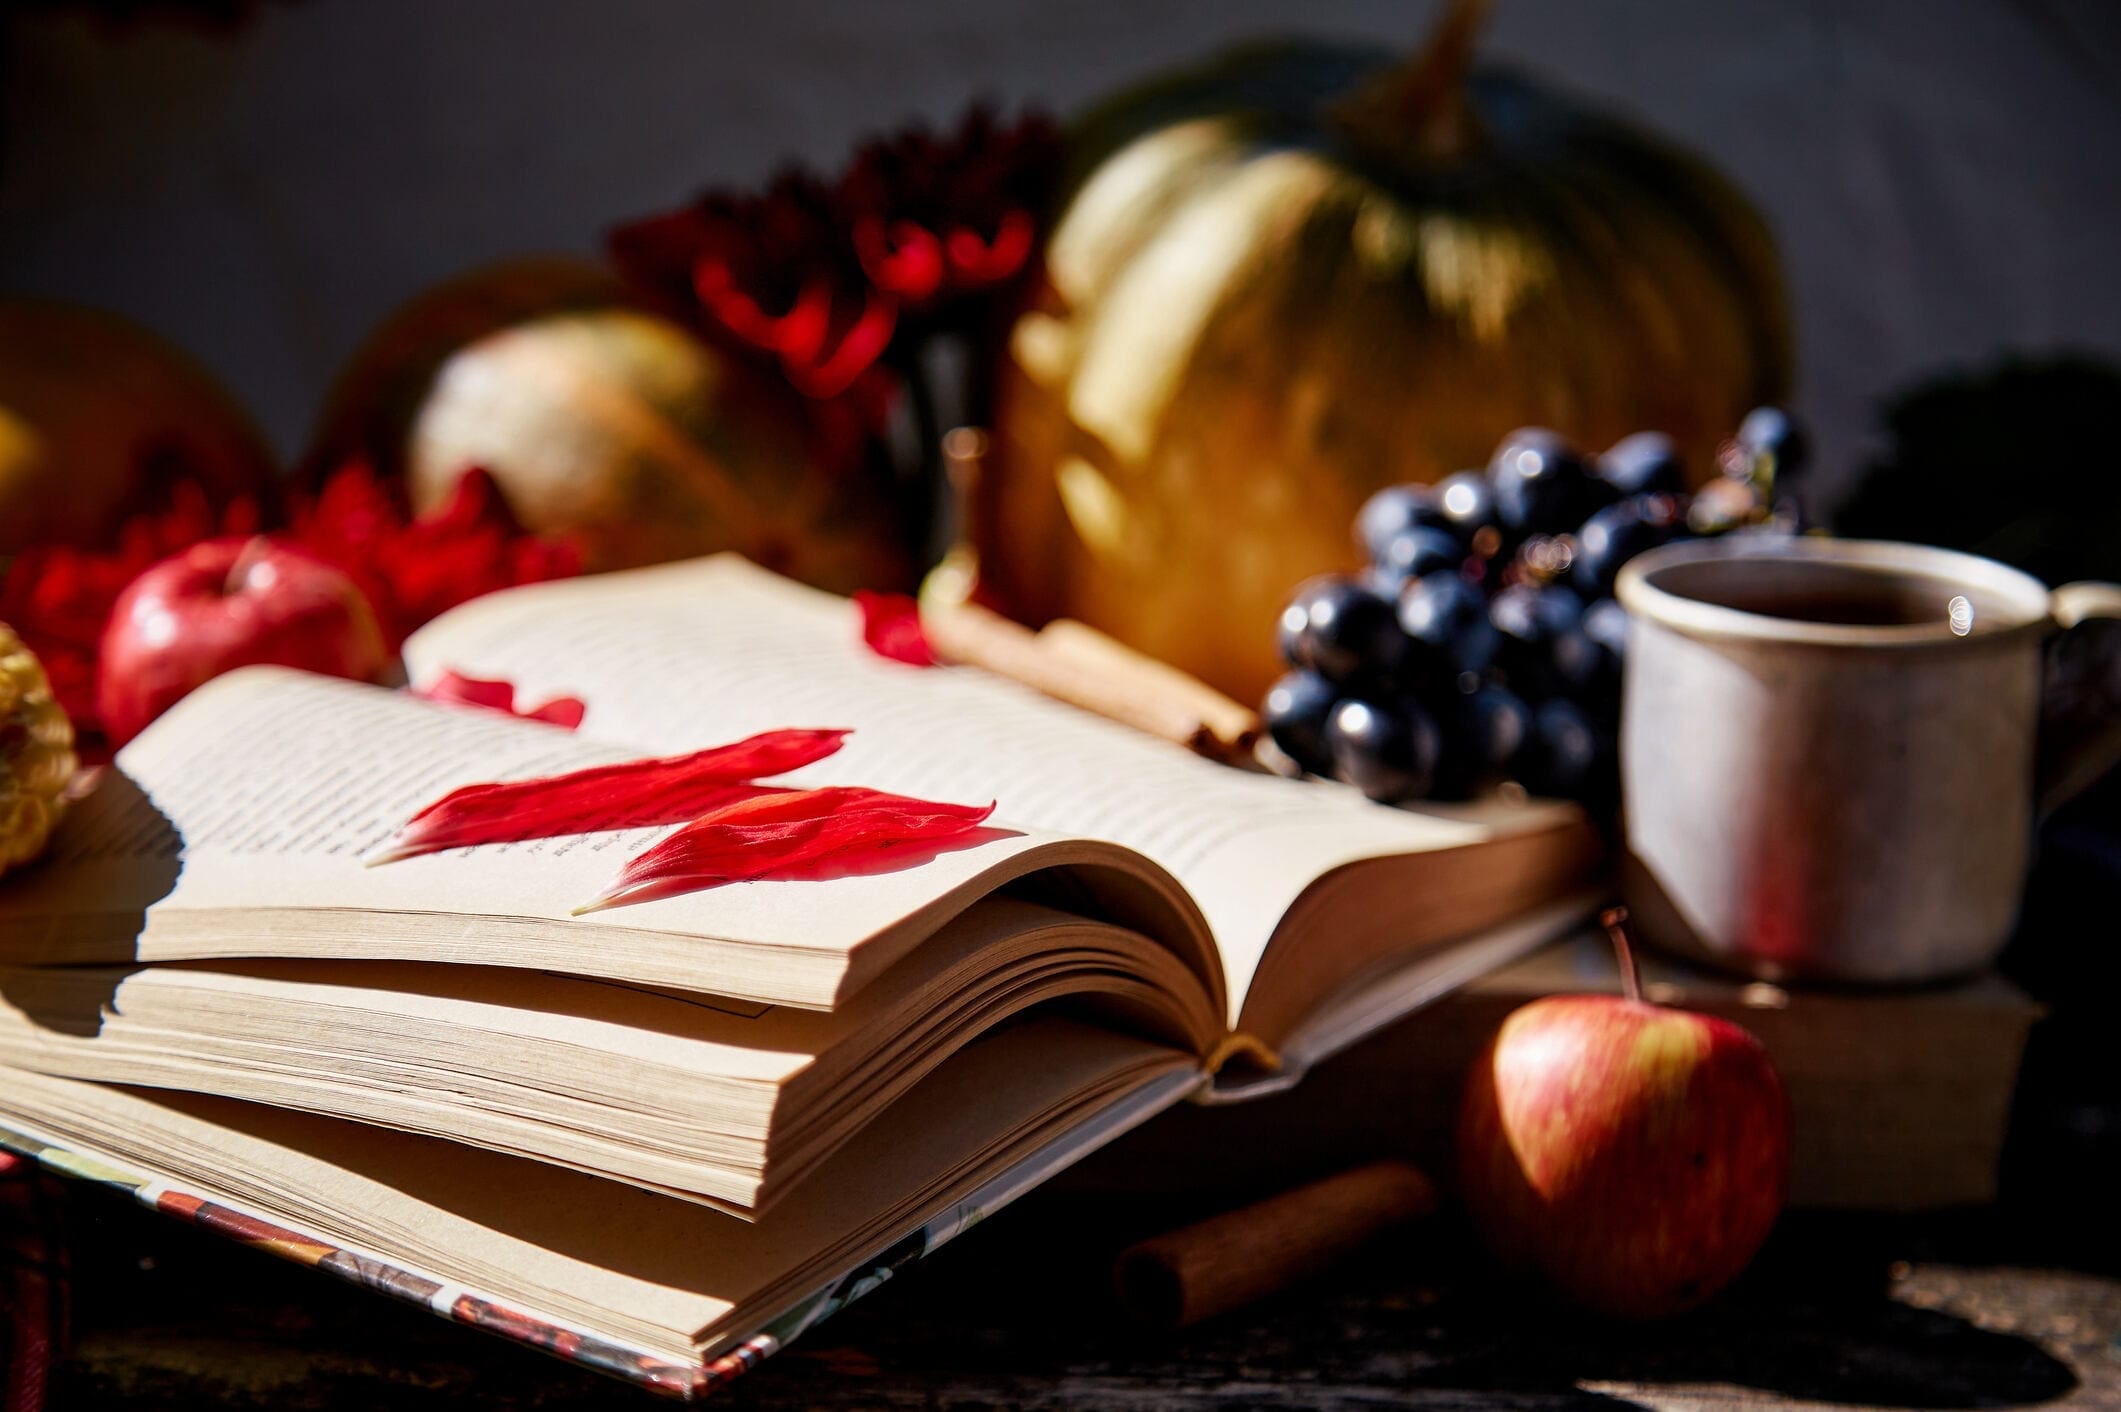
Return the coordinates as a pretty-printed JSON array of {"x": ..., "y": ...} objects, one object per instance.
[{"x": 1417, "y": 109}]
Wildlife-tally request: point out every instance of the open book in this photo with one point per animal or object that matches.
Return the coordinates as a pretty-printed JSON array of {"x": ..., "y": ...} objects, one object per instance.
[{"x": 1133, "y": 924}]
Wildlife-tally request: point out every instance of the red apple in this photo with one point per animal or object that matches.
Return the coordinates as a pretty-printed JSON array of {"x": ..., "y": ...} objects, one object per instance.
[
  {"x": 1633, "y": 1155},
  {"x": 223, "y": 604}
]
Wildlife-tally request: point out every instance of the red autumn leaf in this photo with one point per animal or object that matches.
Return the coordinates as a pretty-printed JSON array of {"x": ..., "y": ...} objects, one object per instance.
[
  {"x": 891, "y": 626},
  {"x": 455, "y": 689},
  {"x": 779, "y": 832},
  {"x": 633, "y": 794}
]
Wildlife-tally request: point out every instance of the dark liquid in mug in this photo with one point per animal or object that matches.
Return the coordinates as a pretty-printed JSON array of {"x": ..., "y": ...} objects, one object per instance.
[
  {"x": 1883, "y": 610},
  {"x": 1817, "y": 592}
]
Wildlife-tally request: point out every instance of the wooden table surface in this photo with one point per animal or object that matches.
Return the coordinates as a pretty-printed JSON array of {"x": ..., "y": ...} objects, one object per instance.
[{"x": 1840, "y": 1311}]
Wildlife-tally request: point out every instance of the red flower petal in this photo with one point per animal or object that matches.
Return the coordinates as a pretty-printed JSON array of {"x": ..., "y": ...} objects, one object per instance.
[
  {"x": 562, "y": 711},
  {"x": 634, "y": 794},
  {"x": 858, "y": 348},
  {"x": 900, "y": 257},
  {"x": 456, "y": 689},
  {"x": 977, "y": 263},
  {"x": 778, "y": 832},
  {"x": 891, "y": 625}
]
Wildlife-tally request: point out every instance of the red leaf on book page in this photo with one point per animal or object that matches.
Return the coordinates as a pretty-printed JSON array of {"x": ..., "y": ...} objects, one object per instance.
[
  {"x": 780, "y": 833},
  {"x": 633, "y": 794},
  {"x": 455, "y": 688},
  {"x": 891, "y": 625}
]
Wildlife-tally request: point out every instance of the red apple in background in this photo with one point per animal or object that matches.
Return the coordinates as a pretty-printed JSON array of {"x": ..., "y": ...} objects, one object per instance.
[
  {"x": 223, "y": 604},
  {"x": 1633, "y": 1155}
]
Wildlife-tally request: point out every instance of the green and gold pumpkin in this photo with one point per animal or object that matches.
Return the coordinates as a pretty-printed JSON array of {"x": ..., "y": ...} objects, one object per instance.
[{"x": 1281, "y": 281}]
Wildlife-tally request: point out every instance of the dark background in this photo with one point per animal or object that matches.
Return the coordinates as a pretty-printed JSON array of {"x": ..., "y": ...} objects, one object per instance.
[{"x": 1944, "y": 175}]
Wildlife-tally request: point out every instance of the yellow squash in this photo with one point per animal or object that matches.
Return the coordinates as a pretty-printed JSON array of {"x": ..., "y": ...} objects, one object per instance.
[
  {"x": 606, "y": 422},
  {"x": 36, "y": 754},
  {"x": 1304, "y": 272}
]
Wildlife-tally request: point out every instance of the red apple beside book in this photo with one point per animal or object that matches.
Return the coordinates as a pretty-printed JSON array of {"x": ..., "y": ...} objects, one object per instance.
[
  {"x": 222, "y": 604},
  {"x": 1633, "y": 1155}
]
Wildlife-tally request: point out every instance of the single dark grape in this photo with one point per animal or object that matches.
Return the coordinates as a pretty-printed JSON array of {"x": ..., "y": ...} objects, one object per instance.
[
  {"x": 1528, "y": 619},
  {"x": 1448, "y": 617},
  {"x": 1646, "y": 463},
  {"x": 1499, "y": 723},
  {"x": 1384, "y": 585},
  {"x": 1774, "y": 433},
  {"x": 1388, "y": 750},
  {"x": 1467, "y": 501},
  {"x": 1420, "y": 550},
  {"x": 1295, "y": 714},
  {"x": 1393, "y": 511},
  {"x": 1617, "y": 534},
  {"x": 1341, "y": 629},
  {"x": 1588, "y": 673},
  {"x": 1484, "y": 733},
  {"x": 1567, "y": 757},
  {"x": 1541, "y": 485}
]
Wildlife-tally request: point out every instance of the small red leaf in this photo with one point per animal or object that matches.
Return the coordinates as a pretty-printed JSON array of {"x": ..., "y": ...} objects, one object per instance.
[
  {"x": 634, "y": 794},
  {"x": 454, "y": 688},
  {"x": 891, "y": 625},
  {"x": 783, "y": 832}
]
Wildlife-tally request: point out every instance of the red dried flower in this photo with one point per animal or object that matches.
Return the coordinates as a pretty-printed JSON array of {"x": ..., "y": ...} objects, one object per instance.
[
  {"x": 933, "y": 217},
  {"x": 415, "y": 568},
  {"x": 772, "y": 272},
  {"x": 820, "y": 275}
]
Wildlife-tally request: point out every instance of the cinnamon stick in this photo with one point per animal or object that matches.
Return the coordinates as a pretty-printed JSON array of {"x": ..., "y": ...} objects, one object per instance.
[
  {"x": 1075, "y": 663},
  {"x": 1215, "y": 1265}
]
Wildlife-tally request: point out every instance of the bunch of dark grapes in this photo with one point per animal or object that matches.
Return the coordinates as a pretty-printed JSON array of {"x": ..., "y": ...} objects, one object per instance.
[{"x": 1482, "y": 644}]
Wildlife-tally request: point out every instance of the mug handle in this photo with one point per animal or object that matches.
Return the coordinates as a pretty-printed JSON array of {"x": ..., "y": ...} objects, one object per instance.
[{"x": 2075, "y": 761}]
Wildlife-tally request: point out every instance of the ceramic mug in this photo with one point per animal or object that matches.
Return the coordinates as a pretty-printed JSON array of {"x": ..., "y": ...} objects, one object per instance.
[{"x": 1827, "y": 752}]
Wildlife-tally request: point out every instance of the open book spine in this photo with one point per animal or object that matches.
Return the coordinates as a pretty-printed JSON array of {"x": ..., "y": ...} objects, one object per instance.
[
  {"x": 685, "y": 1381},
  {"x": 450, "y": 1301}
]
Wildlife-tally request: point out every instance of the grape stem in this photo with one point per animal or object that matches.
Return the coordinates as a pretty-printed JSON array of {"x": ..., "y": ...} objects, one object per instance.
[{"x": 1615, "y": 920}]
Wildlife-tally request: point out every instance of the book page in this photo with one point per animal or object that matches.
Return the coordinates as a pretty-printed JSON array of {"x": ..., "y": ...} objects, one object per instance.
[
  {"x": 689, "y": 654},
  {"x": 721, "y": 1101},
  {"x": 593, "y": 1254},
  {"x": 235, "y": 826}
]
